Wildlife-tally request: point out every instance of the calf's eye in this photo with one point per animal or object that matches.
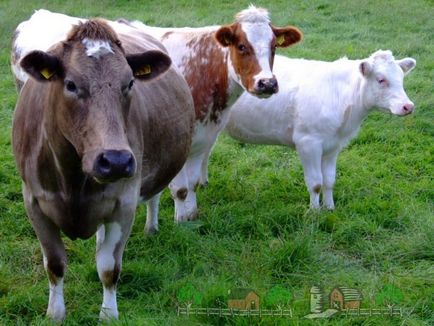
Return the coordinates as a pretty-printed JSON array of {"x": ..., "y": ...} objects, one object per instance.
[{"x": 382, "y": 81}]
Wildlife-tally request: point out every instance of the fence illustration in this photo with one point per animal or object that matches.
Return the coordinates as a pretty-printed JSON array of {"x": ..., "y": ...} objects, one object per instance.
[
  {"x": 373, "y": 312},
  {"x": 221, "y": 312}
]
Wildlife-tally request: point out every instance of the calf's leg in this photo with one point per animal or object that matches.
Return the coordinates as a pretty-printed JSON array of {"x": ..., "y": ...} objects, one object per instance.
[
  {"x": 310, "y": 156},
  {"x": 329, "y": 176}
]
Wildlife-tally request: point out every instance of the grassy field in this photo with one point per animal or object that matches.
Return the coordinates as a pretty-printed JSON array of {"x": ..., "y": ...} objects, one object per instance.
[{"x": 255, "y": 228}]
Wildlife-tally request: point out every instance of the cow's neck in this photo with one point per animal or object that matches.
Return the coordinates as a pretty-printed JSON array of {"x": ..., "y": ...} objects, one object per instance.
[
  {"x": 235, "y": 89},
  {"x": 357, "y": 109}
]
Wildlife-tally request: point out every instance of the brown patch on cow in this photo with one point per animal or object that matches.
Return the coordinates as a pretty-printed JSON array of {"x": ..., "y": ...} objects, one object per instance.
[
  {"x": 206, "y": 73},
  {"x": 317, "y": 189},
  {"x": 286, "y": 36},
  {"x": 182, "y": 193},
  {"x": 166, "y": 36},
  {"x": 244, "y": 61},
  {"x": 111, "y": 278},
  {"x": 55, "y": 270}
]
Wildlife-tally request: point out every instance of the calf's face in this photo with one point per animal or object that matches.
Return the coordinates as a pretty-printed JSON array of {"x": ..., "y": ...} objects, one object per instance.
[
  {"x": 252, "y": 47},
  {"x": 90, "y": 88},
  {"x": 385, "y": 82}
]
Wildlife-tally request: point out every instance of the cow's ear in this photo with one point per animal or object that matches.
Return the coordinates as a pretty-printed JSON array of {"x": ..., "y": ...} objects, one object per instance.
[
  {"x": 148, "y": 65},
  {"x": 42, "y": 66},
  {"x": 406, "y": 64},
  {"x": 365, "y": 68},
  {"x": 225, "y": 35},
  {"x": 286, "y": 36}
]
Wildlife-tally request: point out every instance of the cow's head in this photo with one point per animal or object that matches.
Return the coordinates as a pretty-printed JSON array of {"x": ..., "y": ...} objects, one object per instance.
[
  {"x": 384, "y": 82},
  {"x": 252, "y": 41},
  {"x": 91, "y": 82}
]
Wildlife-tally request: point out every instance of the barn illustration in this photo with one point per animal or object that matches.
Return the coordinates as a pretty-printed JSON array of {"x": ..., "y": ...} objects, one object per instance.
[
  {"x": 243, "y": 299},
  {"x": 343, "y": 297}
]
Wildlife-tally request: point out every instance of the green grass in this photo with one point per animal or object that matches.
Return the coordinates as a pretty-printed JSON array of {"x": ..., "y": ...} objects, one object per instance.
[{"x": 255, "y": 229}]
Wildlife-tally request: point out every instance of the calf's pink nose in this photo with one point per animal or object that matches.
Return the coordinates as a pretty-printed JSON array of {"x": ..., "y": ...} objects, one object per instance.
[{"x": 408, "y": 107}]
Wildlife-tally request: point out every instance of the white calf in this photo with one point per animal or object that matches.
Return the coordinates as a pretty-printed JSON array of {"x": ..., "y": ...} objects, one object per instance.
[{"x": 319, "y": 108}]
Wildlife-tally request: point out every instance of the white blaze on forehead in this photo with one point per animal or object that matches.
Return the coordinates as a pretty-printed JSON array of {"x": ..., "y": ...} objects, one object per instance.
[
  {"x": 97, "y": 48},
  {"x": 260, "y": 37},
  {"x": 256, "y": 24}
]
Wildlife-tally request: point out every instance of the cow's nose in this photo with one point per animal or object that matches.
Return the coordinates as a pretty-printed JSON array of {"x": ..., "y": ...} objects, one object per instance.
[
  {"x": 267, "y": 85},
  {"x": 112, "y": 165},
  {"x": 408, "y": 107}
]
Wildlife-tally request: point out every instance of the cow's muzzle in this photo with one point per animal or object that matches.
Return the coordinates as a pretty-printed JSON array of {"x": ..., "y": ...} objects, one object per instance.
[
  {"x": 112, "y": 165},
  {"x": 266, "y": 87}
]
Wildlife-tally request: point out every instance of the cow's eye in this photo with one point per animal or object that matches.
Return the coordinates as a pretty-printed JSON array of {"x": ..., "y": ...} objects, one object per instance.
[
  {"x": 70, "y": 86},
  {"x": 242, "y": 48},
  {"x": 130, "y": 85}
]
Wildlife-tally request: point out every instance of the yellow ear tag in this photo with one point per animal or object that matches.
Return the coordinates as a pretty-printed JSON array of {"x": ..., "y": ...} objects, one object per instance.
[
  {"x": 47, "y": 74},
  {"x": 145, "y": 70},
  {"x": 280, "y": 39},
  {"x": 227, "y": 40}
]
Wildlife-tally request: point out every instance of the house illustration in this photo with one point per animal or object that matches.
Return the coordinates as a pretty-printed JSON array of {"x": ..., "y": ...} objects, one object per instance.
[
  {"x": 243, "y": 299},
  {"x": 342, "y": 298}
]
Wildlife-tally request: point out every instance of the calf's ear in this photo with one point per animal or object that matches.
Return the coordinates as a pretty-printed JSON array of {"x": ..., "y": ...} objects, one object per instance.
[
  {"x": 149, "y": 65},
  {"x": 42, "y": 66},
  {"x": 225, "y": 35},
  {"x": 365, "y": 68},
  {"x": 406, "y": 64},
  {"x": 286, "y": 36}
]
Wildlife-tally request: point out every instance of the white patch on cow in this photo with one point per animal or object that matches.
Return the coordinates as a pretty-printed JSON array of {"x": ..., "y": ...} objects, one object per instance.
[
  {"x": 56, "y": 304},
  {"x": 108, "y": 236},
  {"x": 260, "y": 37},
  {"x": 109, "y": 308},
  {"x": 40, "y": 32},
  {"x": 97, "y": 48},
  {"x": 320, "y": 106}
]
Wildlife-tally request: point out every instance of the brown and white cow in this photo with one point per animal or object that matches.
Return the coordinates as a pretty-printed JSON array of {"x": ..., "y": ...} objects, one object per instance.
[
  {"x": 219, "y": 63},
  {"x": 93, "y": 131}
]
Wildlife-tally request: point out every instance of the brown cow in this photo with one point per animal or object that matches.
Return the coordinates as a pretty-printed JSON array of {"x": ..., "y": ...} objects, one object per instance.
[
  {"x": 218, "y": 62},
  {"x": 93, "y": 130}
]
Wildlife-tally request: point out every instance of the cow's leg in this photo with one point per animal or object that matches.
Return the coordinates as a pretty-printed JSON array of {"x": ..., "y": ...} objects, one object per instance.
[
  {"x": 205, "y": 159},
  {"x": 152, "y": 207},
  {"x": 183, "y": 190},
  {"x": 310, "y": 155},
  {"x": 110, "y": 239},
  {"x": 54, "y": 256},
  {"x": 212, "y": 132},
  {"x": 204, "y": 168},
  {"x": 329, "y": 176}
]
